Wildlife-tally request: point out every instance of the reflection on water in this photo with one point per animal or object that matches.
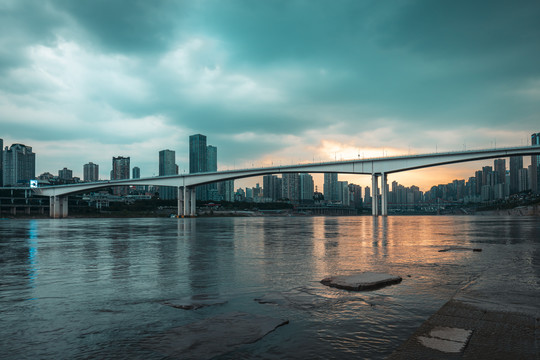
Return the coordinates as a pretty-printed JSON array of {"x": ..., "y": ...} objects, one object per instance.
[
  {"x": 32, "y": 252},
  {"x": 98, "y": 286}
]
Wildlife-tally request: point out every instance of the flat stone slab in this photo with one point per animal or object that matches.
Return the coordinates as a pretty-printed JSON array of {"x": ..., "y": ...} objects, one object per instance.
[
  {"x": 304, "y": 298},
  {"x": 362, "y": 281},
  {"x": 195, "y": 302},
  {"x": 213, "y": 336},
  {"x": 446, "y": 339}
]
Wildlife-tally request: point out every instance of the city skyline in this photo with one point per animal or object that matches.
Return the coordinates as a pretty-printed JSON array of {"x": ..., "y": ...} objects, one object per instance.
[
  {"x": 210, "y": 164},
  {"x": 268, "y": 82}
]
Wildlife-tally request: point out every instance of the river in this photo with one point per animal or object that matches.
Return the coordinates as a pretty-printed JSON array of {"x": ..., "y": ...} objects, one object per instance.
[{"x": 97, "y": 288}]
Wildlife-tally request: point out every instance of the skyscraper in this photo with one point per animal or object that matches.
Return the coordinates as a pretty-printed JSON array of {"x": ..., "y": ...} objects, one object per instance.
[
  {"x": 523, "y": 180},
  {"x": 367, "y": 197},
  {"x": 272, "y": 187},
  {"x": 356, "y": 195},
  {"x": 19, "y": 165},
  {"x": 535, "y": 165},
  {"x": 331, "y": 187},
  {"x": 516, "y": 164},
  {"x": 90, "y": 172},
  {"x": 226, "y": 190},
  {"x": 136, "y": 173},
  {"x": 343, "y": 195},
  {"x": 478, "y": 174},
  {"x": 167, "y": 166},
  {"x": 120, "y": 171},
  {"x": 211, "y": 158},
  {"x": 198, "y": 160},
  {"x": 487, "y": 176},
  {"x": 1, "y": 162},
  {"x": 500, "y": 170},
  {"x": 212, "y": 192},
  {"x": 306, "y": 188},
  {"x": 291, "y": 187}
]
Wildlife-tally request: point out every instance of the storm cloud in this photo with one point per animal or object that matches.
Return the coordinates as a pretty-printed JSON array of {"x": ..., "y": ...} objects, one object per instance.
[{"x": 266, "y": 81}]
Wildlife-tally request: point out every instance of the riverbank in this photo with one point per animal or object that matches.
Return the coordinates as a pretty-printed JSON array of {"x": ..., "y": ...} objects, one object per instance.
[
  {"x": 530, "y": 210},
  {"x": 487, "y": 319}
]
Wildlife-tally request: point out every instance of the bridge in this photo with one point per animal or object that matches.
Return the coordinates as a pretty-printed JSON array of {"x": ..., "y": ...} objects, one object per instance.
[{"x": 376, "y": 167}]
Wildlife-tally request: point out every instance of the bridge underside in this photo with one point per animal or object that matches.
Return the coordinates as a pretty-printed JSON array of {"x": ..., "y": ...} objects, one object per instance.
[{"x": 375, "y": 167}]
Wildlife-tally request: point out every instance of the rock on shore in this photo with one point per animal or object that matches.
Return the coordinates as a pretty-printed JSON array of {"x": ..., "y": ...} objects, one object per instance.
[{"x": 362, "y": 281}]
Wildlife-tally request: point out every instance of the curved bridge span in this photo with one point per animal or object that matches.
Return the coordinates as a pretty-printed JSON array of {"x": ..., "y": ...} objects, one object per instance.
[{"x": 376, "y": 167}]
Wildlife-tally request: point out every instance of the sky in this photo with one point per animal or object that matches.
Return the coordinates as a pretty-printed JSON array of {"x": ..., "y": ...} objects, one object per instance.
[{"x": 268, "y": 82}]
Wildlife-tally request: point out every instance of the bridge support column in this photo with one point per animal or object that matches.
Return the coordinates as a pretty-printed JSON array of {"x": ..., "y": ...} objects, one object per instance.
[
  {"x": 384, "y": 195},
  {"x": 193, "y": 201},
  {"x": 64, "y": 206},
  {"x": 52, "y": 204},
  {"x": 375, "y": 195},
  {"x": 180, "y": 201},
  {"x": 58, "y": 207},
  {"x": 185, "y": 197}
]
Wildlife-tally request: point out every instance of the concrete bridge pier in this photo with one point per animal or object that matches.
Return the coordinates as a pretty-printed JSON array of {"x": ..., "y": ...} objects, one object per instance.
[
  {"x": 375, "y": 194},
  {"x": 186, "y": 201},
  {"x": 58, "y": 207},
  {"x": 193, "y": 201},
  {"x": 180, "y": 205},
  {"x": 384, "y": 195},
  {"x": 377, "y": 210}
]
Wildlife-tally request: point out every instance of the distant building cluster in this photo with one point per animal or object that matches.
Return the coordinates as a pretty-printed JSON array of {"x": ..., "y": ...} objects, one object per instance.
[
  {"x": 491, "y": 183},
  {"x": 203, "y": 158}
]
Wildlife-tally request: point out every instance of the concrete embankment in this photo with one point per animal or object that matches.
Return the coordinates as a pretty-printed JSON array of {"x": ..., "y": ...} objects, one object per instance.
[
  {"x": 488, "y": 319},
  {"x": 530, "y": 210},
  {"x": 460, "y": 330}
]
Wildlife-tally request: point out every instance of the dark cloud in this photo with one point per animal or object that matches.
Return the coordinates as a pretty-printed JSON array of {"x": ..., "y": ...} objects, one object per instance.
[
  {"x": 133, "y": 27},
  {"x": 23, "y": 23},
  {"x": 316, "y": 33},
  {"x": 457, "y": 29},
  {"x": 274, "y": 68}
]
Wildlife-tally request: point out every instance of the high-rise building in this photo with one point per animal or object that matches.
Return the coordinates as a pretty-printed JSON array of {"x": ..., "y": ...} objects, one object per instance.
[
  {"x": 120, "y": 170},
  {"x": 500, "y": 170},
  {"x": 1, "y": 162},
  {"x": 136, "y": 173},
  {"x": 226, "y": 190},
  {"x": 167, "y": 162},
  {"x": 272, "y": 187},
  {"x": 479, "y": 183},
  {"x": 167, "y": 166},
  {"x": 487, "y": 176},
  {"x": 356, "y": 195},
  {"x": 306, "y": 188},
  {"x": 523, "y": 180},
  {"x": 330, "y": 187},
  {"x": 90, "y": 172},
  {"x": 290, "y": 187},
  {"x": 19, "y": 165},
  {"x": 343, "y": 195},
  {"x": 212, "y": 192},
  {"x": 65, "y": 174},
  {"x": 516, "y": 164},
  {"x": 211, "y": 158},
  {"x": 198, "y": 160},
  {"x": 367, "y": 195},
  {"x": 535, "y": 165}
]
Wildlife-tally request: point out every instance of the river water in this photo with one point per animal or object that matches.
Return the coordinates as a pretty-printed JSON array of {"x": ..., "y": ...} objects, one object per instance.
[{"x": 96, "y": 288}]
